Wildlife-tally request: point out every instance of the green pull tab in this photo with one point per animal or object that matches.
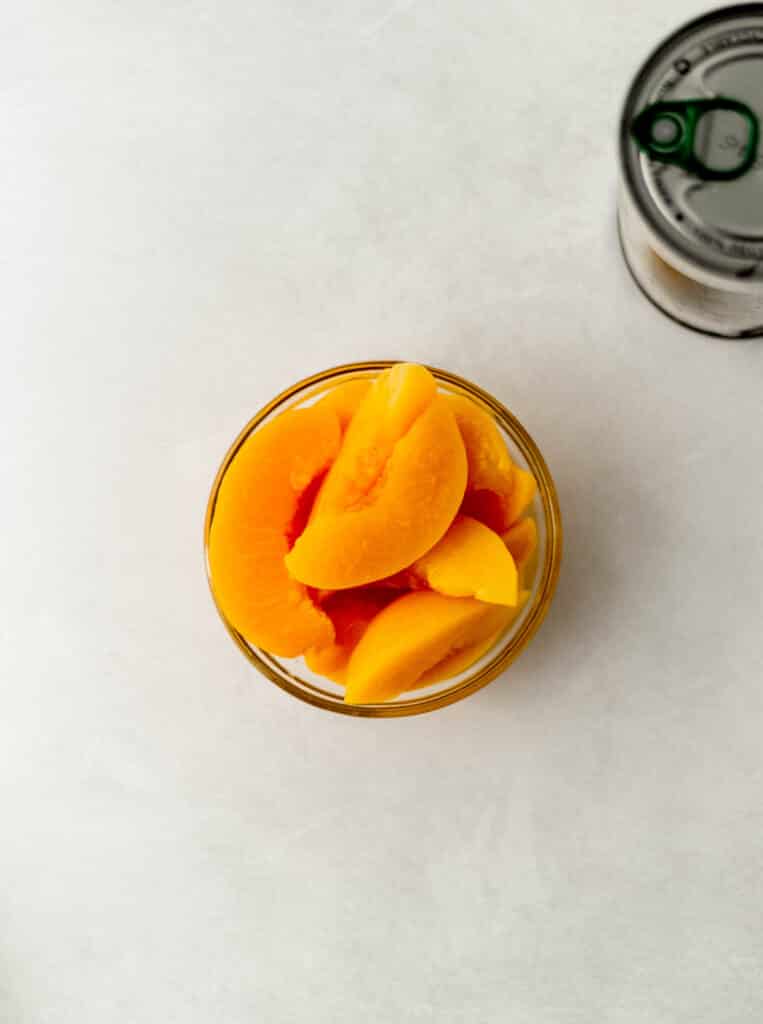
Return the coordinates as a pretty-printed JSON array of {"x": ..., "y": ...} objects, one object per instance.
[{"x": 667, "y": 132}]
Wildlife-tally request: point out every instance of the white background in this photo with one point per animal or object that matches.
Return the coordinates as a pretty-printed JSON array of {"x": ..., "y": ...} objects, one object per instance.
[{"x": 200, "y": 203}]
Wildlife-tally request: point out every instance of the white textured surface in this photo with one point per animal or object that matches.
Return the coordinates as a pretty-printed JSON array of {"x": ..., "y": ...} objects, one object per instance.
[{"x": 199, "y": 203}]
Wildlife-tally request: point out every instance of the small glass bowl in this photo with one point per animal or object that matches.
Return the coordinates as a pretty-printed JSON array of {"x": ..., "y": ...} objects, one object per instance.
[{"x": 292, "y": 675}]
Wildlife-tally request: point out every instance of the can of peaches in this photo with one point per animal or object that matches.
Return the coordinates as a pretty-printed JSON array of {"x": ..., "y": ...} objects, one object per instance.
[{"x": 690, "y": 206}]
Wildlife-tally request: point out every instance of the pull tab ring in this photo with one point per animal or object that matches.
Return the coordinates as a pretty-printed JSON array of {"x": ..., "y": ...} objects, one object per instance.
[{"x": 666, "y": 132}]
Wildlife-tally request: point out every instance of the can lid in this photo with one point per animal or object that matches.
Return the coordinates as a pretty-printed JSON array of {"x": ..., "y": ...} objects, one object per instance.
[{"x": 690, "y": 145}]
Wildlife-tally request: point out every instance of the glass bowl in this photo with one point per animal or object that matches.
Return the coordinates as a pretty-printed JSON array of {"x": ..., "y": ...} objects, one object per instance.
[{"x": 292, "y": 675}]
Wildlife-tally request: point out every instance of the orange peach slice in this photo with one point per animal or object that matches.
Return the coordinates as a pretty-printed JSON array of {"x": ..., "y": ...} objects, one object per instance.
[
  {"x": 470, "y": 561},
  {"x": 351, "y": 612},
  {"x": 395, "y": 400},
  {"x": 409, "y": 637},
  {"x": 522, "y": 493},
  {"x": 490, "y": 476},
  {"x": 257, "y": 504},
  {"x": 454, "y": 664},
  {"x": 393, "y": 490},
  {"x": 345, "y": 399},
  {"x": 522, "y": 540}
]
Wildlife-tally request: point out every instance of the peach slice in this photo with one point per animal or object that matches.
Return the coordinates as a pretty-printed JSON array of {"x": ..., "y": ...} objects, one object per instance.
[
  {"x": 470, "y": 561},
  {"x": 393, "y": 490},
  {"x": 351, "y": 612},
  {"x": 454, "y": 664},
  {"x": 410, "y": 636},
  {"x": 395, "y": 400},
  {"x": 491, "y": 473},
  {"x": 522, "y": 540},
  {"x": 257, "y": 504},
  {"x": 344, "y": 399},
  {"x": 457, "y": 662},
  {"x": 522, "y": 494}
]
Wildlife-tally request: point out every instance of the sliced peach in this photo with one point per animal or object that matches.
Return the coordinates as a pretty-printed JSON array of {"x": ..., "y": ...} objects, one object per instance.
[
  {"x": 489, "y": 460},
  {"x": 409, "y": 637},
  {"x": 351, "y": 612},
  {"x": 490, "y": 476},
  {"x": 393, "y": 490},
  {"x": 455, "y": 663},
  {"x": 257, "y": 504},
  {"x": 344, "y": 399},
  {"x": 522, "y": 494},
  {"x": 395, "y": 400},
  {"x": 522, "y": 540},
  {"x": 470, "y": 561}
]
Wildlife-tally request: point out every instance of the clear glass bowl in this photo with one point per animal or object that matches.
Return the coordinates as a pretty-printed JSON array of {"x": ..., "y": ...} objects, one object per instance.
[{"x": 292, "y": 675}]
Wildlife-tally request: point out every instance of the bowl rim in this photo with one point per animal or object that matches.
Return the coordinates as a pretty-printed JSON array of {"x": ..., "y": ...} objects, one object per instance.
[{"x": 544, "y": 589}]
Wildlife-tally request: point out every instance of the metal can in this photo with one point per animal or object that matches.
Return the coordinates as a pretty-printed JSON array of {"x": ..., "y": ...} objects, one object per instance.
[{"x": 690, "y": 207}]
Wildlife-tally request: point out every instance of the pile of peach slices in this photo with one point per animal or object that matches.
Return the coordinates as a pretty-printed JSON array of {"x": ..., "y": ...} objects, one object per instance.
[{"x": 379, "y": 532}]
